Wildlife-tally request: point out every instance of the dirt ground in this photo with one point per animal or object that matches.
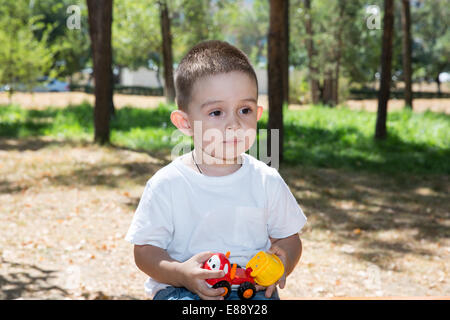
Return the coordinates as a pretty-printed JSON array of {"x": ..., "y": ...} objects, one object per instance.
[
  {"x": 65, "y": 208},
  {"x": 40, "y": 100}
]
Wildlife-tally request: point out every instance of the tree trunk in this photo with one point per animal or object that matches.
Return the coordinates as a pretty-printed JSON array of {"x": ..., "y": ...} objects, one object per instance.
[
  {"x": 100, "y": 19},
  {"x": 276, "y": 52},
  {"x": 335, "y": 95},
  {"x": 112, "y": 108},
  {"x": 327, "y": 94},
  {"x": 438, "y": 83},
  {"x": 386, "y": 62},
  {"x": 407, "y": 70},
  {"x": 169, "y": 87},
  {"x": 286, "y": 54},
  {"x": 158, "y": 73},
  {"x": 313, "y": 81},
  {"x": 337, "y": 56}
]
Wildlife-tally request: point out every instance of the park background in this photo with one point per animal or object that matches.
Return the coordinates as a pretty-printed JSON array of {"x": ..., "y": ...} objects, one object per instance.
[{"x": 359, "y": 89}]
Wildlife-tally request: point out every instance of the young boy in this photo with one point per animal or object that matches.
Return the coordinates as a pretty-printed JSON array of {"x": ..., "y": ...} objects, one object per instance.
[{"x": 216, "y": 198}]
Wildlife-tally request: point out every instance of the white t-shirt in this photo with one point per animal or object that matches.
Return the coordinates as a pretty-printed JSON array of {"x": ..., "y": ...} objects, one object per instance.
[{"x": 185, "y": 212}]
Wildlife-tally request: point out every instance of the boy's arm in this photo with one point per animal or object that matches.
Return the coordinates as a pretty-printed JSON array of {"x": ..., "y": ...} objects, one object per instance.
[
  {"x": 291, "y": 248},
  {"x": 158, "y": 265}
]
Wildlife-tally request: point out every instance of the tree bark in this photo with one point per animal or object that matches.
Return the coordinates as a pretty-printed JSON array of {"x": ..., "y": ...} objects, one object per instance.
[
  {"x": 327, "y": 93},
  {"x": 313, "y": 81},
  {"x": 169, "y": 86},
  {"x": 386, "y": 62},
  {"x": 338, "y": 55},
  {"x": 286, "y": 53},
  {"x": 407, "y": 70},
  {"x": 335, "y": 95},
  {"x": 438, "y": 83},
  {"x": 100, "y": 19},
  {"x": 276, "y": 55}
]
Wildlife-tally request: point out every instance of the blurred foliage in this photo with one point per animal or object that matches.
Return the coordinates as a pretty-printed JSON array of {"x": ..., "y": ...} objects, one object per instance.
[
  {"x": 70, "y": 47},
  {"x": 136, "y": 36},
  {"x": 23, "y": 57},
  {"x": 431, "y": 39},
  {"x": 41, "y": 27}
]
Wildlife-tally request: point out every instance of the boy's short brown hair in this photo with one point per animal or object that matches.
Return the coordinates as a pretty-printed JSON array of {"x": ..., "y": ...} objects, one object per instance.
[{"x": 205, "y": 59}]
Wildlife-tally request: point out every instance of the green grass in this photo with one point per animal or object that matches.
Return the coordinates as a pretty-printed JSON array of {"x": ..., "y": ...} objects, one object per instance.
[{"x": 319, "y": 136}]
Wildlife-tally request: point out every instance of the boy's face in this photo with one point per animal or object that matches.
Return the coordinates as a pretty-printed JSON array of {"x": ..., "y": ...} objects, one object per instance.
[{"x": 222, "y": 114}]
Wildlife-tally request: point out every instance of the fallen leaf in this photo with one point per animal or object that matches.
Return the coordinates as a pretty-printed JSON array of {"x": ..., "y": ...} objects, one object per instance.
[{"x": 101, "y": 296}]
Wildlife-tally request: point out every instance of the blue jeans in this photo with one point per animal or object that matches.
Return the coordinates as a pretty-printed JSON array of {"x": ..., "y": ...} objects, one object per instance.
[{"x": 175, "y": 293}]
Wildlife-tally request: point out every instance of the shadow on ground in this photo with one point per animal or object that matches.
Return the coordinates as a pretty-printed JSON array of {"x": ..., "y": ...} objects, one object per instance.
[
  {"x": 341, "y": 201},
  {"x": 28, "y": 281},
  {"x": 355, "y": 206}
]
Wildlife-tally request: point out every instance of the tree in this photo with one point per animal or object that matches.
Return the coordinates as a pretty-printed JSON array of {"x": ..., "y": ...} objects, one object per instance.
[
  {"x": 386, "y": 62},
  {"x": 406, "y": 43},
  {"x": 169, "y": 87},
  {"x": 285, "y": 62},
  {"x": 19, "y": 68},
  {"x": 132, "y": 19},
  {"x": 100, "y": 20},
  {"x": 313, "y": 80},
  {"x": 329, "y": 36},
  {"x": 69, "y": 44},
  {"x": 431, "y": 39},
  {"x": 276, "y": 62},
  {"x": 194, "y": 22}
]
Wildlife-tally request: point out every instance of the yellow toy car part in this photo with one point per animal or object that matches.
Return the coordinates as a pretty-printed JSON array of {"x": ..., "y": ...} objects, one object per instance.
[{"x": 266, "y": 268}]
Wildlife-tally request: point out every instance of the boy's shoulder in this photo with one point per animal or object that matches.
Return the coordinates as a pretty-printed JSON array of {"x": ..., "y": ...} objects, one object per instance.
[
  {"x": 163, "y": 176},
  {"x": 262, "y": 169},
  {"x": 170, "y": 173}
]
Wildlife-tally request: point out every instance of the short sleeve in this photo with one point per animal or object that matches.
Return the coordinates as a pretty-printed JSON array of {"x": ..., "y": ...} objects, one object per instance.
[
  {"x": 152, "y": 221},
  {"x": 285, "y": 215}
]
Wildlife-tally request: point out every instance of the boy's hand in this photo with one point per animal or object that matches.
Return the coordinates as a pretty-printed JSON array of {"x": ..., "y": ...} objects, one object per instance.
[
  {"x": 282, "y": 281},
  {"x": 194, "y": 277}
]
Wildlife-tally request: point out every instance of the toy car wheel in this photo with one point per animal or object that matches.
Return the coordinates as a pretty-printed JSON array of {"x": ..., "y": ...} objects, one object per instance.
[
  {"x": 246, "y": 291},
  {"x": 224, "y": 284}
]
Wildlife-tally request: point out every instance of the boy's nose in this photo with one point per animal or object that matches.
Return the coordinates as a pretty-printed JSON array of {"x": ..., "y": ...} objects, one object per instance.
[
  {"x": 233, "y": 126},
  {"x": 232, "y": 123}
]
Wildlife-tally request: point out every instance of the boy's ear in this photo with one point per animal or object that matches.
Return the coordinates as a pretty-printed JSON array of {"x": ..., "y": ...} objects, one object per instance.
[
  {"x": 259, "y": 112},
  {"x": 180, "y": 120}
]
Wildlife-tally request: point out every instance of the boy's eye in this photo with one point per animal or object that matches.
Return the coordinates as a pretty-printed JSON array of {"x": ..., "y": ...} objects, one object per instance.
[
  {"x": 215, "y": 113},
  {"x": 247, "y": 110}
]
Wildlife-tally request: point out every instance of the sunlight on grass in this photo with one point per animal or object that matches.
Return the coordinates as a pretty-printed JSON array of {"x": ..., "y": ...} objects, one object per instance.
[{"x": 318, "y": 136}]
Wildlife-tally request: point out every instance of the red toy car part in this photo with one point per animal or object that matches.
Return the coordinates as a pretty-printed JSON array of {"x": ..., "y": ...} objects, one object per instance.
[{"x": 235, "y": 277}]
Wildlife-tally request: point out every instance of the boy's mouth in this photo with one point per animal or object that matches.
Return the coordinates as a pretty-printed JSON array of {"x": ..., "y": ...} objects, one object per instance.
[{"x": 232, "y": 141}]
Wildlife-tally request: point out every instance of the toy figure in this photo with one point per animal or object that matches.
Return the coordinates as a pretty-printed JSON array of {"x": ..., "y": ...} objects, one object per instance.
[{"x": 264, "y": 269}]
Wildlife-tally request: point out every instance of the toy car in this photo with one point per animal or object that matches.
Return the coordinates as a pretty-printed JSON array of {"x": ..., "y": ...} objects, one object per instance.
[
  {"x": 235, "y": 277},
  {"x": 266, "y": 268}
]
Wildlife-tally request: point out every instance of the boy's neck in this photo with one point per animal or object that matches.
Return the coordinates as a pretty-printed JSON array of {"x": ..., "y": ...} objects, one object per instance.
[{"x": 215, "y": 167}]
